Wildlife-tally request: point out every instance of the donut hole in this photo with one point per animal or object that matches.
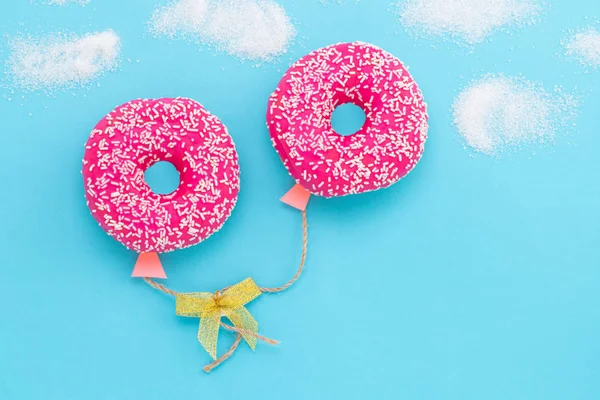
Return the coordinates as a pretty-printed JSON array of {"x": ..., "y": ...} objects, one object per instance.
[
  {"x": 162, "y": 177},
  {"x": 347, "y": 119}
]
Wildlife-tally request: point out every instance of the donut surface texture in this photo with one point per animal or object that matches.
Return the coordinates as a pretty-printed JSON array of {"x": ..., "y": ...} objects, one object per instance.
[
  {"x": 133, "y": 137},
  {"x": 383, "y": 151}
]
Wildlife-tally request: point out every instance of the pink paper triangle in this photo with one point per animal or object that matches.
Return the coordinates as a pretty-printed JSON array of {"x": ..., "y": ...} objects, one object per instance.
[
  {"x": 297, "y": 197},
  {"x": 148, "y": 265}
]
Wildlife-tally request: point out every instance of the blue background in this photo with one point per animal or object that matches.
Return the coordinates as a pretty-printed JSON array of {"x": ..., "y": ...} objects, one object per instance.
[{"x": 474, "y": 278}]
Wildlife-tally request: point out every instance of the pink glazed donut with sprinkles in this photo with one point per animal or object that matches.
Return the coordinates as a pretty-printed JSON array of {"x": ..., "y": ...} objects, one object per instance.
[
  {"x": 383, "y": 151},
  {"x": 130, "y": 139}
]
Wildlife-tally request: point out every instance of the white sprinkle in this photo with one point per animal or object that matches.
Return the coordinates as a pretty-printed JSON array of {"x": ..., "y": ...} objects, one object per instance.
[
  {"x": 53, "y": 62},
  {"x": 248, "y": 29},
  {"x": 498, "y": 112},
  {"x": 585, "y": 47},
  {"x": 470, "y": 21}
]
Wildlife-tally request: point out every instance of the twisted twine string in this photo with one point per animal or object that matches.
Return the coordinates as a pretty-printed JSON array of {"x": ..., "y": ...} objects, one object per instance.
[
  {"x": 225, "y": 356},
  {"x": 239, "y": 331}
]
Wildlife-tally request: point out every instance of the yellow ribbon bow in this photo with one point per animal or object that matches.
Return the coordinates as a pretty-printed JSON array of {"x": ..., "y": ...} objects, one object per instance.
[{"x": 210, "y": 307}]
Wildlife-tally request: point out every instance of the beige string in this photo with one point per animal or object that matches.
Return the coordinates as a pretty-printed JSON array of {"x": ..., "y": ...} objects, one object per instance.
[
  {"x": 225, "y": 356},
  {"x": 239, "y": 331}
]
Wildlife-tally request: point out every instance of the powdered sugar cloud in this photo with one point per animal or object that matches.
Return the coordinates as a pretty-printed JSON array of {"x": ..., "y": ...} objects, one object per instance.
[
  {"x": 65, "y": 2},
  {"x": 498, "y": 112},
  {"x": 60, "y": 61},
  {"x": 585, "y": 47},
  {"x": 248, "y": 29},
  {"x": 469, "y": 21}
]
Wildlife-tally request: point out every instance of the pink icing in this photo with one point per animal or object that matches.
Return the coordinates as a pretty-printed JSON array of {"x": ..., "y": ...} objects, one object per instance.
[
  {"x": 383, "y": 151},
  {"x": 140, "y": 133}
]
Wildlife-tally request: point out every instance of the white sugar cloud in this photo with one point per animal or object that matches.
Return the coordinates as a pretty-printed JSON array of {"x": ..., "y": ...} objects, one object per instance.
[
  {"x": 54, "y": 62},
  {"x": 470, "y": 21},
  {"x": 65, "y": 2},
  {"x": 498, "y": 112},
  {"x": 249, "y": 29},
  {"x": 585, "y": 47}
]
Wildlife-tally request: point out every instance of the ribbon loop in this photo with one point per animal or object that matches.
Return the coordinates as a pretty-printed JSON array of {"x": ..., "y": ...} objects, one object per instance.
[{"x": 210, "y": 307}]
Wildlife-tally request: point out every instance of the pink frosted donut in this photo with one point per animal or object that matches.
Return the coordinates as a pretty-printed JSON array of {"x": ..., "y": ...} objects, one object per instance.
[
  {"x": 127, "y": 141},
  {"x": 383, "y": 151}
]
